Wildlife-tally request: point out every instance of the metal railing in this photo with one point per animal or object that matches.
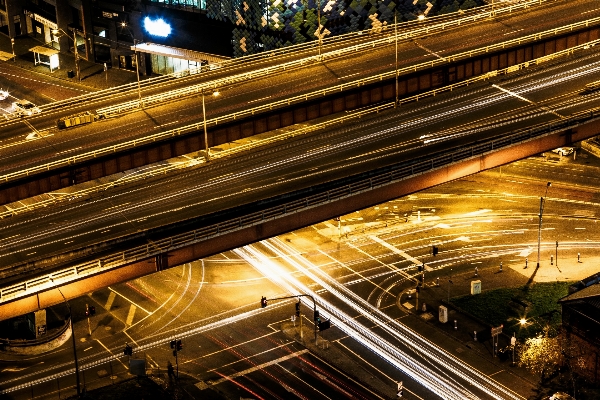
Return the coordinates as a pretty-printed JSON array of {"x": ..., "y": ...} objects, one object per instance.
[
  {"x": 274, "y": 105},
  {"x": 388, "y": 176},
  {"x": 245, "y": 76}
]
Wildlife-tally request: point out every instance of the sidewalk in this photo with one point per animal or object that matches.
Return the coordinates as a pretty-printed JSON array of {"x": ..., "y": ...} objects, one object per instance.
[
  {"x": 459, "y": 337},
  {"x": 92, "y": 75}
]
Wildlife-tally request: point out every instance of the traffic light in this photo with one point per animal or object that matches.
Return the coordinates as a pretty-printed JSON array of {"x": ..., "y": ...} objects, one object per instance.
[
  {"x": 435, "y": 250},
  {"x": 92, "y": 310},
  {"x": 179, "y": 345},
  {"x": 128, "y": 351},
  {"x": 324, "y": 325},
  {"x": 173, "y": 343},
  {"x": 298, "y": 308},
  {"x": 263, "y": 302},
  {"x": 316, "y": 316}
]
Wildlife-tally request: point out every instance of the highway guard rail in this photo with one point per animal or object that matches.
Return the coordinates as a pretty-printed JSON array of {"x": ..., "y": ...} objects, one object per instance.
[
  {"x": 358, "y": 184},
  {"x": 281, "y": 103},
  {"x": 266, "y": 71},
  {"x": 411, "y": 29}
]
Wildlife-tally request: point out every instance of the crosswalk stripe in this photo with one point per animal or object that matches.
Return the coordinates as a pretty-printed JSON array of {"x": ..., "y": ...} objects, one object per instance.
[
  {"x": 129, "y": 320},
  {"x": 111, "y": 298}
]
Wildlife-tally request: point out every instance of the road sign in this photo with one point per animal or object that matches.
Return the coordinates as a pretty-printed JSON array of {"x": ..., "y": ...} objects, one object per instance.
[
  {"x": 293, "y": 318},
  {"x": 497, "y": 330}
]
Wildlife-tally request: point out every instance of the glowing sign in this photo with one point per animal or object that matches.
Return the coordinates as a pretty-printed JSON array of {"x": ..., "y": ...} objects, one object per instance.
[{"x": 157, "y": 27}]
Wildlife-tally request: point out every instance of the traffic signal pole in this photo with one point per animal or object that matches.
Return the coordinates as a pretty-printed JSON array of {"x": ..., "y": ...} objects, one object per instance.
[{"x": 265, "y": 300}]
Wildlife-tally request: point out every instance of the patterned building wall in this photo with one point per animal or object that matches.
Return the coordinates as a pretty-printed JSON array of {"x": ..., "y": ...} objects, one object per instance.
[{"x": 260, "y": 25}]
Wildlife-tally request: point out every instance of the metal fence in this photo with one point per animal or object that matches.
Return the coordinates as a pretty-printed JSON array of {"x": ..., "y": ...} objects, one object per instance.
[{"x": 359, "y": 185}]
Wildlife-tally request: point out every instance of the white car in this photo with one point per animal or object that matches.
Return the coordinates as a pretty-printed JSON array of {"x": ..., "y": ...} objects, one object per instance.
[
  {"x": 564, "y": 151},
  {"x": 3, "y": 94},
  {"x": 25, "y": 108}
]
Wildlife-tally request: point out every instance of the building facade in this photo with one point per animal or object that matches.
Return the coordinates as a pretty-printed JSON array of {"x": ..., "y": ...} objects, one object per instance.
[{"x": 172, "y": 35}]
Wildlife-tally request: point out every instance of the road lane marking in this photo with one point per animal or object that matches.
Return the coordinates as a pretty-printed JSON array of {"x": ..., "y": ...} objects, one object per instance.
[
  {"x": 286, "y": 344},
  {"x": 345, "y": 375},
  {"x": 340, "y": 263},
  {"x": 131, "y": 301},
  {"x": 528, "y": 101},
  {"x": 111, "y": 298},
  {"x": 258, "y": 367},
  {"x": 111, "y": 353},
  {"x": 129, "y": 319},
  {"x": 230, "y": 347},
  {"x": 132, "y": 339},
  {"x": 400, "y": 252}
]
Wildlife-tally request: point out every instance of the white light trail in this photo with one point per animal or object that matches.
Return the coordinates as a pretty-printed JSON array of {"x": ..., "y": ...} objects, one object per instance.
[
  {"x": 434, "y": 353},
  {"x": 439, "y": 385}
]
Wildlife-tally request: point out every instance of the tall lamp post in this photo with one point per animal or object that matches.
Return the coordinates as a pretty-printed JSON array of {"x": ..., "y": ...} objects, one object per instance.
[
  {"x": 215, "y": 94},
  {"x": 542, "y": 201},
  {"x": 74, "y": 343},
  {"x": 137, "y": 64},
  {"x": 396, "y": 40},
  {"x": 55, "y": 31}
]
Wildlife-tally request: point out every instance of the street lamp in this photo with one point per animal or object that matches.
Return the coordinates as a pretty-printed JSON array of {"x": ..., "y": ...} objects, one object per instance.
[
  {"x": 396, "y": 40},
  {"x": 215, "y": 94},
  {"x": 542, "y": 201},
  {"x": 74, "y": 343},
  {"x": 319, "y": 21},
  {"x": 55, "y": 31},
  {"x": 137, "y": 67}
]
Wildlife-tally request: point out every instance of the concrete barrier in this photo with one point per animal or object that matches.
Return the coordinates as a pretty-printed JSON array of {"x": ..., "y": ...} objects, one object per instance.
[{"x": 54, "y": 340}]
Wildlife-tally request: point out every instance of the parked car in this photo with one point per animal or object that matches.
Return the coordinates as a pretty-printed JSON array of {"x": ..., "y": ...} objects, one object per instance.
[
  {"x": 564, "y": 151},
  {"x": 25, "y": 108}
]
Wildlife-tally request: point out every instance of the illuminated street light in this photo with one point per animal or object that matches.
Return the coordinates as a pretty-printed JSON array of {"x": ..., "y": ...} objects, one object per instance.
[
  {"x": 215, "y": 94},
  {"x": 522, "y": 321},
  {"x": 137, "y": 67},
  {"x": 542, "y": 201},
  {"x": 55, "y": 32},
  {"x": 421, "y": 17}
]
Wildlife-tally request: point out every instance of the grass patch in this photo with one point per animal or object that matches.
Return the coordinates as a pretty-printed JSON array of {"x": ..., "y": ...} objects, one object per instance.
[{"x": 505, "y": 306}]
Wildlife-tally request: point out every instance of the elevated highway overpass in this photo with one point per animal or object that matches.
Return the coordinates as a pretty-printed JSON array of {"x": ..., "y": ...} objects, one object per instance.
[
  {"x": 134, "y": 230},
  {"x": 47, "y": 159}
]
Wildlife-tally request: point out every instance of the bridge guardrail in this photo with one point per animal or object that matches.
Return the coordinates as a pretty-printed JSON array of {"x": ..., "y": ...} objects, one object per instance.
[
  {"x": 161, "y": 98},
  {"x": 437, "y": 23},
  {"x": 415, "y": 167},
  {"x": 280, "y": 103}
]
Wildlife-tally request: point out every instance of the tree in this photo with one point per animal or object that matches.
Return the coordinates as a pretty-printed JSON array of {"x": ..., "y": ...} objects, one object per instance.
[{"x": 542, "y": 354}]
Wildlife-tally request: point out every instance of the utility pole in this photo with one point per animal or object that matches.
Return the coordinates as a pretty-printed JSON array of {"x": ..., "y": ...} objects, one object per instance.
[
  {"x": 76, "y": 55},
  {"x": 542, "y": 201},
  {"x": 74, "y": 344},
  {"x": 396, "y": 37}
]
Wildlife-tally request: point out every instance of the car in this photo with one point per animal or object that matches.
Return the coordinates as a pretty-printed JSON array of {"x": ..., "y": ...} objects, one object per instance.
[
  {"x": 3, "y": 94},
  {"x": 25, "y": 108},
  {"x": 564, "y": 151}
]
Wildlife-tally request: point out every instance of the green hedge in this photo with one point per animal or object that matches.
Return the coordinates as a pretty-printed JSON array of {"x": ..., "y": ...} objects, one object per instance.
[{"x": 501, "y": 306}]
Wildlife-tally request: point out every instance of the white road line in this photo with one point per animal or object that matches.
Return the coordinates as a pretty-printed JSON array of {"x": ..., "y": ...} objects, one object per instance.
[
  {"x": 129, "y": 319},
  {"x": 132, "y": 339},
  {"x": 111, "y": 353},
  {"x": 137, "y": 305},
  {"x": 286, "y": 344},
  {"x": 111, "y": 298},
  {"x": 258, "y": 367},
  {"x": 400, "y": 252}
]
